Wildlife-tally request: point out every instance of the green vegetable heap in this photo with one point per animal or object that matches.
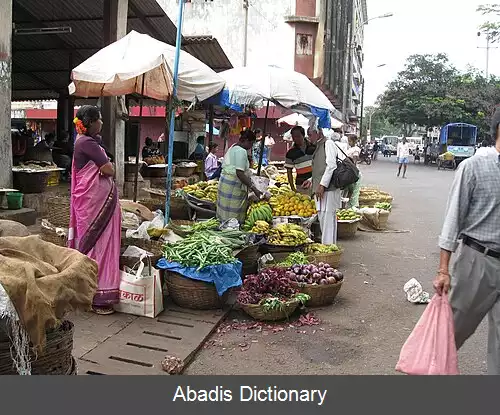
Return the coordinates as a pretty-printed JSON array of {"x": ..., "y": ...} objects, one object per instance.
[
  {"x": 383, "y": 206},
  {"x": 205, "y": 248},
  {"x": 296, "y": 258},
  {"x": 321, "y": 249}
]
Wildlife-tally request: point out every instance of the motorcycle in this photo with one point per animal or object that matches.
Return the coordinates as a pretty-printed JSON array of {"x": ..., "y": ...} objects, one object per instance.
[{"x": 365, "y": 157}]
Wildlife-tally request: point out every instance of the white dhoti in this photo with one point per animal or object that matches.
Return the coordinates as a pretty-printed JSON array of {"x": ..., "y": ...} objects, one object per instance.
[{"x": 327, "y": 215}]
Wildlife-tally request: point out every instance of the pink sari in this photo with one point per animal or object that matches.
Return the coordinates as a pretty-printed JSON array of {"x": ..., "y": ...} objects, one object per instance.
[{"x": 95, "y": 227}]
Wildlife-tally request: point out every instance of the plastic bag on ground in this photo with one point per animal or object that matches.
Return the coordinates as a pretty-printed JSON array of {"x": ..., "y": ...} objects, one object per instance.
[{"x": 430, "y": 349}]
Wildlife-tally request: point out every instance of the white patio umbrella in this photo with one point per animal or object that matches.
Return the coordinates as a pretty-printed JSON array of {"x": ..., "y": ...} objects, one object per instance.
[
  {"x": 256, "y": 85},
  {"x": 260, "y": 85},
  {"x": 336, "y": 123},
  {"x": 119, "y": 69},
  {"x": 295, "y": 119},
  {"x": 140, "y": 64}
]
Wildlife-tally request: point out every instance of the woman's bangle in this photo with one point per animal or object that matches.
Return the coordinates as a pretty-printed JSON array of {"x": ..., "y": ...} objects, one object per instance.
[{"x": 444, "y": 272}]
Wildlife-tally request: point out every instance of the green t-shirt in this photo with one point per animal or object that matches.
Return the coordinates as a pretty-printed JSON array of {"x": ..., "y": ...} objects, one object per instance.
[{"x": 236, "y": 158}]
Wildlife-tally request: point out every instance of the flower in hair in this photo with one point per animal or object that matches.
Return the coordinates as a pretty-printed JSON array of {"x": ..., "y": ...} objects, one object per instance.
[{"x": 80, "y": 128}]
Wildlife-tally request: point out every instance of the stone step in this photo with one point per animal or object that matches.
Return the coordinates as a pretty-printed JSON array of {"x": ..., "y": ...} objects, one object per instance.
[{"x": 25, "y": 216}]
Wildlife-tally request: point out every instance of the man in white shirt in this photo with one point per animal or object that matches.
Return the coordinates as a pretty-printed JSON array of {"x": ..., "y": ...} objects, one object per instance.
[
  {"x": 269, "y": 143},
  {"x": 403, "y": 155}
]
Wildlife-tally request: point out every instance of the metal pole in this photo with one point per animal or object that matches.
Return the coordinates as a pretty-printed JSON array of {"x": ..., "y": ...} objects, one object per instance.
[
  {"x": 362, "y": 109},
  {"x": 263, "y": 140},
  {"x": 210, "y": 124},
  {"x": 245, "y": 35},
  {"x": 172, "y": 112},
  {"x": 487, "y": 55},
  {"x": 136, "y": 178}
]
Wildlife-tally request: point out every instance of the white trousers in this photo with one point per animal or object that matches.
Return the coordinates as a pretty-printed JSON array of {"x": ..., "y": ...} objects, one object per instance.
[
  {"x": 327, "y": 215},
  {"x": 328, "y": 224}
]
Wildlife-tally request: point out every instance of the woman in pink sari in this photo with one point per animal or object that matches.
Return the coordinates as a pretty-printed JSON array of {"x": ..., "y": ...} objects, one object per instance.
[{"x": 95, "y": 224}]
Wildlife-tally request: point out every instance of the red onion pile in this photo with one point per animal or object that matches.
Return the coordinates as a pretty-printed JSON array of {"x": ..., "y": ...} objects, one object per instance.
[{"x": 321, "y": 274}]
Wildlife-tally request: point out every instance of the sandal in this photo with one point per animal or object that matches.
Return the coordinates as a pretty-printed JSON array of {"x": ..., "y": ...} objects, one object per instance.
[{"x": 103, "y": 311}]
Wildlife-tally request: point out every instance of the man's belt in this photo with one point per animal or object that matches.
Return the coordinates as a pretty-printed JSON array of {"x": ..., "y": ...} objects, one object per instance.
[{"x": 471, "y": 243}]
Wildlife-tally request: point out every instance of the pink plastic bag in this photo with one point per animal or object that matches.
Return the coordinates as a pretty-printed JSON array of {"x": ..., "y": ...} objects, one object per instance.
[{"x": 431, "y": 349}]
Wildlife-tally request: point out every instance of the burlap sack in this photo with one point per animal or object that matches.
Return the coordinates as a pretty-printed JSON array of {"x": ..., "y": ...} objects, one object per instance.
[{"x": 44, "y": 282}]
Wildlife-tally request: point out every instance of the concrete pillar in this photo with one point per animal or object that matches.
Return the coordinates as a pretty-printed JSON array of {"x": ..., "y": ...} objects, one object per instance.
[
  {"x": 62, "y": 114},
  {"x": 5, "y": 92},
  {"x": 115, "y": 27}
]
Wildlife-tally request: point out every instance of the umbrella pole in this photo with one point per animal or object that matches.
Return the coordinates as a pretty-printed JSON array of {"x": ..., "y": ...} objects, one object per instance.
[
  {"x": 168, "y": 190},
  {"x": 263, "y": 141},
  {"x": 210, "y": 124},
  {"x": 141, "y": 103}
]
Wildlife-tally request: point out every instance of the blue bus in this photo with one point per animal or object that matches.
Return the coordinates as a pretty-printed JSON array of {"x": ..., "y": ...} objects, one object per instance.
[{"x": 459, "y": 139}]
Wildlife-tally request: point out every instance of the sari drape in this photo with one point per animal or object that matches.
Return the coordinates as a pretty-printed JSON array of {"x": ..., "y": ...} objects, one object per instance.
[{"x": 95, "y": 227}]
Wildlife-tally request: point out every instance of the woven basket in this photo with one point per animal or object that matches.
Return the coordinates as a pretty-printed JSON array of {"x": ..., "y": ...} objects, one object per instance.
[
  {"x": 49, "y": 235},
  {"x": 58, "y": 211},
  {"x": 184, "y": 171},
  {"x": 193, "y": 294},
  {"x": 179, "y": 209},
  {"x": 276, "y": 249},
  {"x": 29, "y": 183},
  {"x": 346, "y": 230},
  {"x": 56, "y": 358},
  {"x": 257, "y": 312},
  {"x": 155, "y": 247},
  {"x": 330, "y": 258},
  {"x": 249, "y": 258},
  {"x": 320, "y": 294},
  {"x": 179, "y": 222},
  {"x": 153, "y": 204},
  {"x": 383, "y": 219}
]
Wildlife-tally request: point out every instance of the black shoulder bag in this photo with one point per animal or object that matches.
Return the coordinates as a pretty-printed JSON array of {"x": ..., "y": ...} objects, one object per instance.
[{"x": 346, "y": 172}]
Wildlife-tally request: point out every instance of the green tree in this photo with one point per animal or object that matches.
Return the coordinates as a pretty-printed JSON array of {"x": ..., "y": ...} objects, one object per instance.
[
  {"x": 490, "y": 28},
  {"x": 380, "y": 125},
  {"x": 422, "y": 95}
]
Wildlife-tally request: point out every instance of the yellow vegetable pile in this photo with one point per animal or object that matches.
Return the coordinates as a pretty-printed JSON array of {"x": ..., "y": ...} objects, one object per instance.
[
  {"x": 281, "y": 178},
  {"x": 285, "y": 202},
  {"x": 287, "y": 234},
  {"x": 203, "y": 190}
]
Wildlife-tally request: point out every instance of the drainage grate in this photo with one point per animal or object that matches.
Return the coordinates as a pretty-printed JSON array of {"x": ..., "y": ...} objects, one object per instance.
[
  {"x": 143, "y": 346},
  {"x": 167, "y": 336},
  {"x": 132, "y": 362}
]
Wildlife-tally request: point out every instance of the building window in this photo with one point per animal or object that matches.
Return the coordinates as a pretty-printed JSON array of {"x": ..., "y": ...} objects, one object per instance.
[{"x": 304, "y": 44}]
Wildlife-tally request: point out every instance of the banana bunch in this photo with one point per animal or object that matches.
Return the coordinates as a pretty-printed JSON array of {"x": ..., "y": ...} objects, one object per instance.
[
  {"x": 282, "y": 178},
  {"x": 260, "y": 228},
  {"x": 260, "y": 211},
  {"x": 287, "y": 234},
  {"x": 203, "y": 191}
]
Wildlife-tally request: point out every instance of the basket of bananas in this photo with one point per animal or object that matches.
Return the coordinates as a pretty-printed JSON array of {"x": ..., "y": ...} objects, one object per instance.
[
  {"x": 286, "y": 237},
  {"x": 259, "y": 216}
]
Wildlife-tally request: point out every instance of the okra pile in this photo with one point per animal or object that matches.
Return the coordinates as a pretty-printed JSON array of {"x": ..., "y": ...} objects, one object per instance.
[{"x": 202, "y": 249}]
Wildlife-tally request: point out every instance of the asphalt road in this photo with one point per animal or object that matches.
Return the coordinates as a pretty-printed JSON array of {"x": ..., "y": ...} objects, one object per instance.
[{"x": 362, "y": 333}]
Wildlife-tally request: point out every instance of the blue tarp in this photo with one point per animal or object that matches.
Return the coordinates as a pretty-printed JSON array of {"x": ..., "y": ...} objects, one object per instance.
[{"x": 223, "y": 276}]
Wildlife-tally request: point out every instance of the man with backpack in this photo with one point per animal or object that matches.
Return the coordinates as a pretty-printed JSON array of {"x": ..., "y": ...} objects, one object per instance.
[{"x": 326, "y": 194}]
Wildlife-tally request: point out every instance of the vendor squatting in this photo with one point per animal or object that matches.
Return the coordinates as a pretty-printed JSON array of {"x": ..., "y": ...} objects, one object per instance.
[{"x": 250, "y": 394}]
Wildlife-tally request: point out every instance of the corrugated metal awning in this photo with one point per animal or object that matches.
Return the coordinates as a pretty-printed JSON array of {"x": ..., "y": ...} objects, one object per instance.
[
  {"x": 41, "y": 64},
  {"x": 208, "y": 50}
]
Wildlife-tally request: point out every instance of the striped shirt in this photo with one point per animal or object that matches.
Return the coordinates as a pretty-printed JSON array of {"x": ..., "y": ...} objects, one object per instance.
[
  {"x": 474, "y": 204},
  {"x": 301, "y": 160}
]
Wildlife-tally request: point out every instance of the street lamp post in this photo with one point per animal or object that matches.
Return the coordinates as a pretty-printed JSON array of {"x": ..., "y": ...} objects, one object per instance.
[
  {"x": 349, "y": 77},
  {"x": 363, "y": 106}
]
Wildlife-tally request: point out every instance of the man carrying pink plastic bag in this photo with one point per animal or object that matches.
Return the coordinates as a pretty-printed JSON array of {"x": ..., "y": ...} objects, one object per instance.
[{"x": 471, "y": 231}]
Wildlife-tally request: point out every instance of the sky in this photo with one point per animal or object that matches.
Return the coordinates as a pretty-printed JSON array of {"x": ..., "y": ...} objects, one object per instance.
[{"x": 418, "y": 27}]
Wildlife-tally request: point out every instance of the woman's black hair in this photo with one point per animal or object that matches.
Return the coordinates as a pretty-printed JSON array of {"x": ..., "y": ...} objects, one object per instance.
[
  {"x": 200, "y": 139},
  {"x": 299, "y": 129},
  {"x": 88, "y": 114},
  {"x": 258, "y": 131},
  {"x": 211, "y": 146},
  {"x": 149, "y": 141},
  {"x": 248, "y": 135}
]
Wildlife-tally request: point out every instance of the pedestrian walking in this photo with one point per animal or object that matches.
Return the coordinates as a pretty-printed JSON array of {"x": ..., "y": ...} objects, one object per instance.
[
  {"x": 403, "y": 155},
  {"x": 471, "y": 234}
]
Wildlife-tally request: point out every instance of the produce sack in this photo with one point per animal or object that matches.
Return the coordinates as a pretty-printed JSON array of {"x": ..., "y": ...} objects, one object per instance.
[
  {"x": 374, "y": 218},
  {"x": 431, "y": 349},
  {"x": 140, "y": 290},
  {"x": 224, "y": 276}
]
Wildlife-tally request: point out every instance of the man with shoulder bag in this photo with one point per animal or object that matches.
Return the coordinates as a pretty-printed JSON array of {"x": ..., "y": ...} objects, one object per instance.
[
  {"x": 471, "y": 233},
  {"x": 329, "y": 177}
]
